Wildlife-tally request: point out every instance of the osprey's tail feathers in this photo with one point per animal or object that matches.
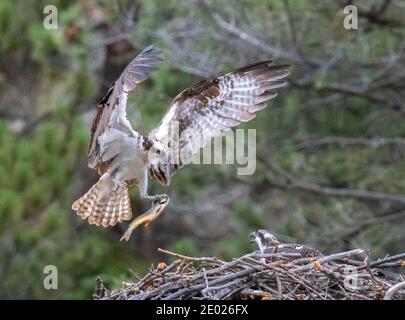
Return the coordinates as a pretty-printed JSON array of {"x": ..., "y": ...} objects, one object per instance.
[{"x": 103, "y": 205}]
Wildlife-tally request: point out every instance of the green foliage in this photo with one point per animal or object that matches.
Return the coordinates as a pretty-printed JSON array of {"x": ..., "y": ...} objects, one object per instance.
[
  {"x": 185, "y": 246},
  {"x": 35, "y": 218},
  {"x": 40, "y": 170},
  {"x": 37, "y": 227}
]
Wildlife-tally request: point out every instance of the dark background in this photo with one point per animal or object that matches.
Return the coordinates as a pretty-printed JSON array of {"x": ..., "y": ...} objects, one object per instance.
[{"x": 330, "y": 169}]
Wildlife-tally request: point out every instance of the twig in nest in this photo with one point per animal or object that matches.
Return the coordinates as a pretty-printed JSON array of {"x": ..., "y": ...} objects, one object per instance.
[{"x": 281, "y": 277}]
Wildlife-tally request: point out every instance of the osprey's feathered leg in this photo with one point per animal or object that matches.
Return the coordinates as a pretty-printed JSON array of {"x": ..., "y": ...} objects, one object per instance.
[
  {"x": 146, "y": 218},
  {"x": 143, "y": 190}
]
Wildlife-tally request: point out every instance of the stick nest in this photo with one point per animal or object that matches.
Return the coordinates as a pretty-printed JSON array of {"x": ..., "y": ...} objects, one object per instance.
[{"x": 344, "y": 275}]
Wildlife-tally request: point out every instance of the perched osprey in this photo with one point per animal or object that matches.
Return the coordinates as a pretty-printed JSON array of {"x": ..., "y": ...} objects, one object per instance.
[
  {"x": 124, "y": 157},
  {"x": 268, "y": 243}
]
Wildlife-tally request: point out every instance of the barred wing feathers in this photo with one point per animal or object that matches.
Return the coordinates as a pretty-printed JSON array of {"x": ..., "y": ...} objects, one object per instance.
[
  {"x": 112, "y": 108},
  {"x": 211, "y": 106}
]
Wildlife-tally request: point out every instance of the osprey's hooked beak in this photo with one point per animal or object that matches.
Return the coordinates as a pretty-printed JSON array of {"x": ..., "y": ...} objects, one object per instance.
[{"x": 252, "y": 235}]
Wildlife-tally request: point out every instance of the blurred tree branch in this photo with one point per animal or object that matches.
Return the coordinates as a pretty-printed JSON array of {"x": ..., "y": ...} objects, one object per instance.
[
  {"x": 289, "y": 182},
  {"x": 349, "y": 141},
  {"x": 376, "y": 14},
  {"x": 358, "y": 226},
  {"x": 378, "y": 98},
  {"x": 254, "y": 41}
]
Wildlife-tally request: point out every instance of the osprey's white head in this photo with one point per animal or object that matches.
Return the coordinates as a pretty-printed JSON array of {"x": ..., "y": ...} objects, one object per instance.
[
  {"x": 264, "y": 239},
  {"x": 156, "y": 150}
]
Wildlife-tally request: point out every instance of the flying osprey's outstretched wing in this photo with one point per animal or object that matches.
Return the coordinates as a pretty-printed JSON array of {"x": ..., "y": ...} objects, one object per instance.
[
  {"x": 111, "y": 114},
  {"x": 204, "y": 110}
]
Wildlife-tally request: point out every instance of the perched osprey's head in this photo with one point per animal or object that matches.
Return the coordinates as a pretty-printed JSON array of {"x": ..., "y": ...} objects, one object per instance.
[{"x": 264, "y": 239}]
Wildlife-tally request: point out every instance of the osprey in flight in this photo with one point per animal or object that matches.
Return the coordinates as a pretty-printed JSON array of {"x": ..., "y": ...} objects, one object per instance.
[
  {"x": 124, "y": 157},
  {"x": 268, "y": 243}
]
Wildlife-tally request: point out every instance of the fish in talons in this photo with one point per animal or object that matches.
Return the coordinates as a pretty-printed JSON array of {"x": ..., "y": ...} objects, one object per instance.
[{"x": 155, "y": 211}]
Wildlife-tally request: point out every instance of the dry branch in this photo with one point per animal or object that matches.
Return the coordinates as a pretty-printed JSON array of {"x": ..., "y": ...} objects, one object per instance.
[
  {"x": 291, "y": 183},
  {"x": 281, "y": 277}
]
